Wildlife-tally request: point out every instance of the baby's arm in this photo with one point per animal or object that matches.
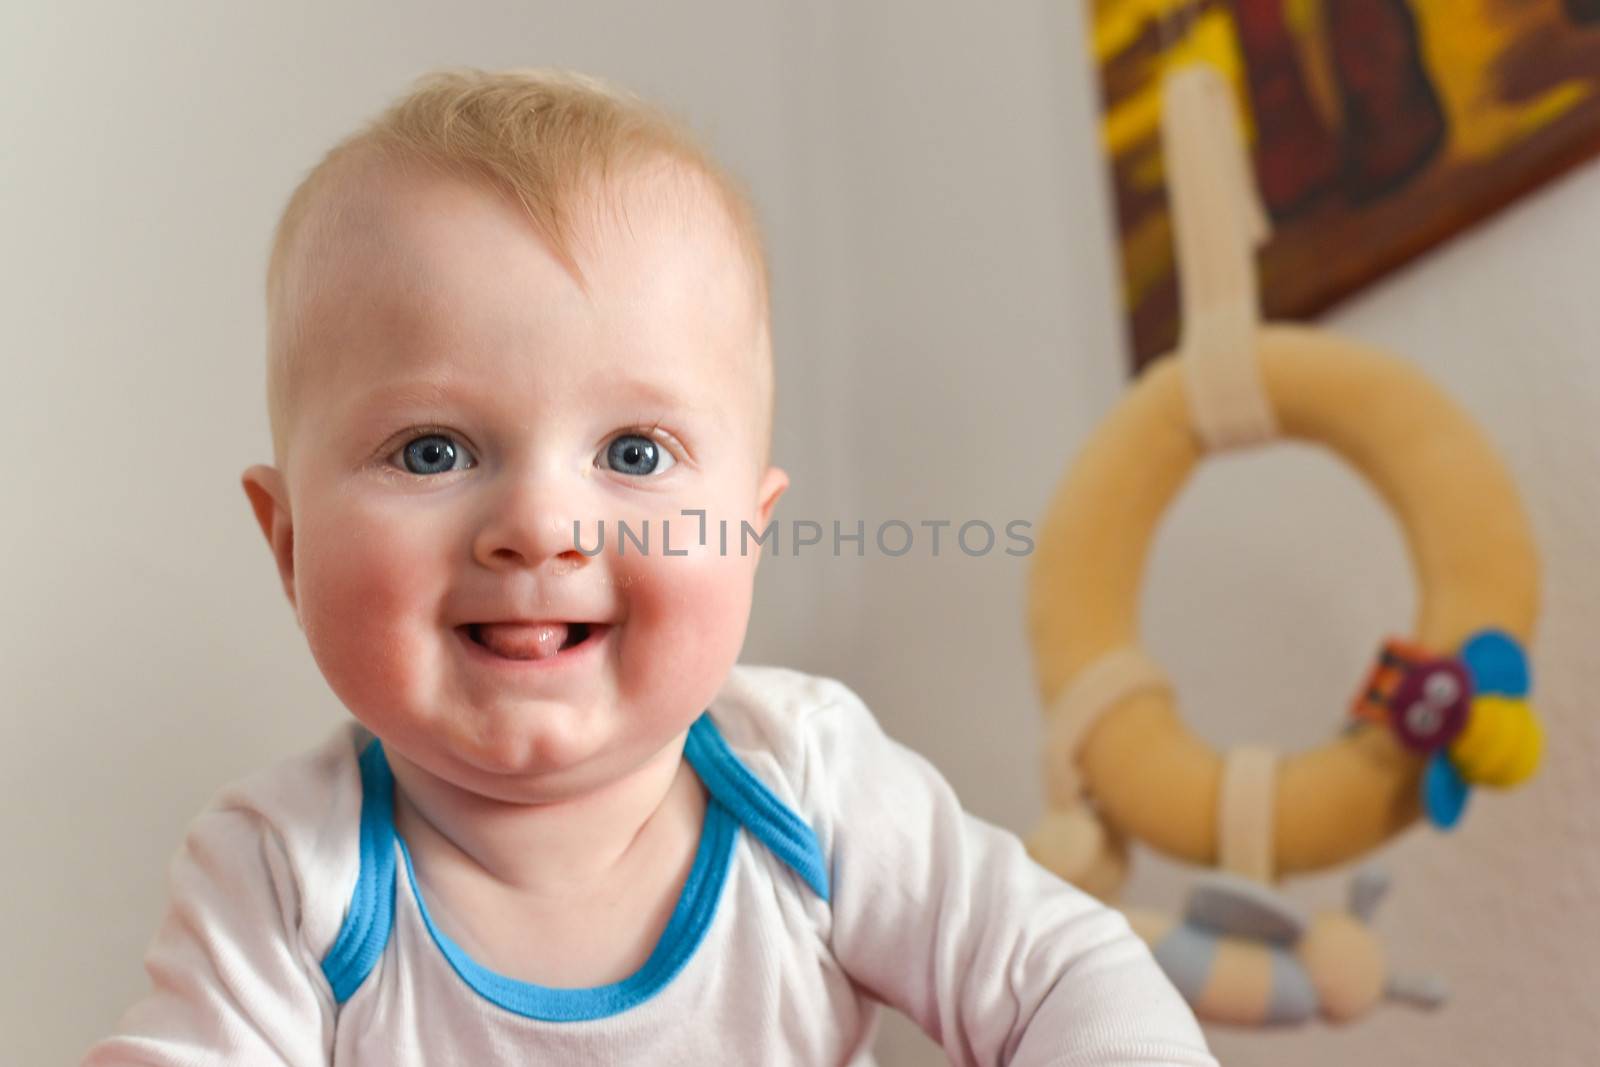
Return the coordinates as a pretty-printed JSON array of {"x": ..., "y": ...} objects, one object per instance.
[
  {"x": 232, "y": 980},
  {"x": 946, "y": 918}
]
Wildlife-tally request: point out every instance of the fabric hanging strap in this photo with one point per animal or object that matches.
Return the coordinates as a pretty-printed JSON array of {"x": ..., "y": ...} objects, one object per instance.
[
  {"x": 1244, "y": 812},
  {"x": 1099, "y": 687},
  {"x": 1218, "y": 221}
]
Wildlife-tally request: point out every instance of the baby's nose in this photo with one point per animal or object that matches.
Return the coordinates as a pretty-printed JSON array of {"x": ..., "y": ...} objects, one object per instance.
[{"x": 529, "y": 527}]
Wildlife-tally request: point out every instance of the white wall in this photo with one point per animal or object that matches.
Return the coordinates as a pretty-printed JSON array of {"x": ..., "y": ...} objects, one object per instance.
[{"x": 947, "y": 330}]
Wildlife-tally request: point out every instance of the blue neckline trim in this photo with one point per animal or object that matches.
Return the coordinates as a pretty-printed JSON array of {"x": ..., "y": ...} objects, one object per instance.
[
  {"x": 737, "y": 797},
  {"x": 789, "y": 837},
  {"x": 366, "y": 926},
  {"x": 697, "y": 904}
]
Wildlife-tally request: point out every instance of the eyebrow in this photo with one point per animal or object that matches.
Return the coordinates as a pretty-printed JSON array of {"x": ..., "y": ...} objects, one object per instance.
[
  {"x": 642, "y": 391},
  {"x": 421, "y": 392}
]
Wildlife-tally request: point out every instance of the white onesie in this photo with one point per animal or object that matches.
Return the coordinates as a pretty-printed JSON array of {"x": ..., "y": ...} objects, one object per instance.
[{"x": 835, "y": 868}]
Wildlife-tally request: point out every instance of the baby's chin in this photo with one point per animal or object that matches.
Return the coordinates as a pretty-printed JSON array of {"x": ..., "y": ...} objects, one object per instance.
[{"x": 540, "y": 760}]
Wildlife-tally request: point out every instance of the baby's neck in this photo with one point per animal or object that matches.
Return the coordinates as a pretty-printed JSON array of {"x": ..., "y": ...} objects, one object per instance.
[{"x": 566, "y": 850}]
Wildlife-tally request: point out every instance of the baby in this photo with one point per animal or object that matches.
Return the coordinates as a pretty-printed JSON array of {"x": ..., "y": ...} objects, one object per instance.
[{"x": 517, "y": 311}]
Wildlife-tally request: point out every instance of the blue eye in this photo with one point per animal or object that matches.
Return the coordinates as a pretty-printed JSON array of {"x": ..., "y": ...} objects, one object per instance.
[
  {"x": 635, "y": 454},
  {"x": 433, "y": 453}
]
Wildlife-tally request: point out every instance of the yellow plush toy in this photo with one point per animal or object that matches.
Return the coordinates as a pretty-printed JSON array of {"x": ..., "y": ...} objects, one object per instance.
[{"x": 1441, "y": 711}]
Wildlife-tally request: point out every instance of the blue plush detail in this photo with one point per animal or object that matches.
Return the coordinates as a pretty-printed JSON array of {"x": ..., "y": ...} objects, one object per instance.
[
  {"x": 1186, "y": 955},
  {"x": 1496, "y": 663},
  {"x": 685, "y": 930},
  {"x": 366, "y": 925},
  {"x": 1294, "y": 998},
  {"x": 730, "y": 781},
  {"x": 1444, "y": 791}
]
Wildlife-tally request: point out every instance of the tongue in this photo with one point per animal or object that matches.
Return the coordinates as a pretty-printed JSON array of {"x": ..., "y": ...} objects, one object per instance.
[{"x": 523, "y": 641}]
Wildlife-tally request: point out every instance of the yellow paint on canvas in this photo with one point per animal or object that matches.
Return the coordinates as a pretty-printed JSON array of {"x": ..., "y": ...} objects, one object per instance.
[
  {"x": 1211, "y": 39},
  {"x": 1146, "y": 257},
  {"x": 1304, "y": 19},
  {"x": 1118, "y": 23},
  {"x": 1461, "y": 41}
]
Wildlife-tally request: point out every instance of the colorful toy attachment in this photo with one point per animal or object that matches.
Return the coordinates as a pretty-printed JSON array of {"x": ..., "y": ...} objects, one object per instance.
[
  {"x": 1243, "y": 954},
  {"x": 1468, "y": 714}
]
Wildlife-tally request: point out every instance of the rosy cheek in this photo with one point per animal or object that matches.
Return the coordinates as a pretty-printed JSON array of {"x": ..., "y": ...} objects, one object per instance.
[
  {"x": 686, "y": 621},
  {"x": 362, "y": 594}
]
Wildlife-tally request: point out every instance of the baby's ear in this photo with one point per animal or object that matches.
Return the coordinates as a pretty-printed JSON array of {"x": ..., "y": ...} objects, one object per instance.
[
  {"x": 773, "y": 483},
  {"x": 269, "y": 498}
]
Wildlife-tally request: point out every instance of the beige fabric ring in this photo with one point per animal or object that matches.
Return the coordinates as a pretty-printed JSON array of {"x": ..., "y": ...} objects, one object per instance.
[{"x": 1469, "y": 541}]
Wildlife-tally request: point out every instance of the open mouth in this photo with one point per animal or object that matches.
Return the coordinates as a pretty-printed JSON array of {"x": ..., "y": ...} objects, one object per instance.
[{"x": 525, "y": 641}]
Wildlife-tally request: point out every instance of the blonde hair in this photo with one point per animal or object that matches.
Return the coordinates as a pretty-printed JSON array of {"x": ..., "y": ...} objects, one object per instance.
[{"x": 547, "y": 137}]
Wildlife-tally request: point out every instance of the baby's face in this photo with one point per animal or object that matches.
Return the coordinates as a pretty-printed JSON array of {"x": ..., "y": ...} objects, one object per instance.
[{"x": 470, "y": 402}]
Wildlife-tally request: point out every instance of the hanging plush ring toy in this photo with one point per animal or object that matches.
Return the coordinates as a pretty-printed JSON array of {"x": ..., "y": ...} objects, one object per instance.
[{"x": 1441, "y": 711}]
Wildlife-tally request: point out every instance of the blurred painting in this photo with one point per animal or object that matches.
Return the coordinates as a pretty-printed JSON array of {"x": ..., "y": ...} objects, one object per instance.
[{"x": 1378, "y": 128}]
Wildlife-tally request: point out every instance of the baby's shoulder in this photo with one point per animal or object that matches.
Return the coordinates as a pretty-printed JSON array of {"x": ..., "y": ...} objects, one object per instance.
[
  {"x": 772, "y": 706},
  {"x": 775, "y": 718},
  {"x": 291, "y": 788},
  {"x": 308, "y": 807}
]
